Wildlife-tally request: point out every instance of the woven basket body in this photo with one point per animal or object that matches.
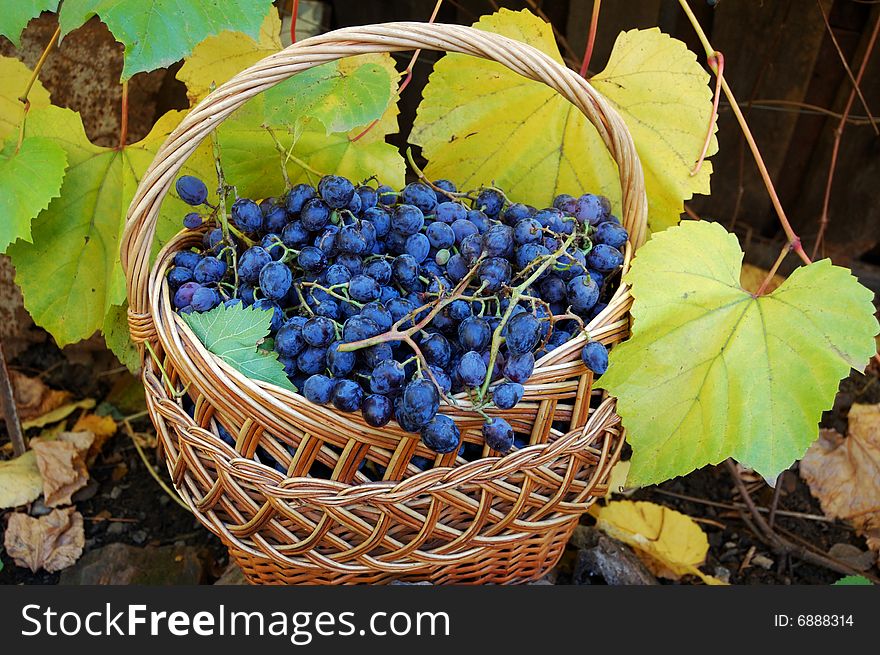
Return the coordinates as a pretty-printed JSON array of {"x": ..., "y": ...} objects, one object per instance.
[{"x": 499, "y": 519}]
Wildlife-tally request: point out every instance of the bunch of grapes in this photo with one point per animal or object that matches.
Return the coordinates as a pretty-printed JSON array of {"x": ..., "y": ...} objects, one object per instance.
[{"x": 392, "y": 303}]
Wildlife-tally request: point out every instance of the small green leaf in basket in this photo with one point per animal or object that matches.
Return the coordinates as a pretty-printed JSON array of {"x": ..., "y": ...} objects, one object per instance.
[
  {"x": 232, "y": 333},
  {"x": 481, "y": 123},
  {"x": 711, "y": 371},
  {"x": 30, "y": 176}
]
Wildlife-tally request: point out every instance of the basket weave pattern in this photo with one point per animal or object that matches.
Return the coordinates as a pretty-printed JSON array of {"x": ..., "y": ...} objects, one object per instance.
[{"x": 499, "y": 519}]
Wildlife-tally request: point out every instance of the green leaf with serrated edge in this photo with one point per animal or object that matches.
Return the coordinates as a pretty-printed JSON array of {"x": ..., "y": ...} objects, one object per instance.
[
  {"x": 853, "y": 580},
  {"x": 252, "y": 161},
  {"x": 15, "y": 76},
  {"x": 480, "y": 123},
  {"x": 340, "y": 95},
  {"x": 232, "y": 334},
  {"x": 18, "y": 13},
  {"x": 712, "y": 372},
  {"x": 158, "y": 33},
  {"x": 71, "y": 275},
  {"x": 118, "y": 338},
  {"x": 29, "y": 178}
]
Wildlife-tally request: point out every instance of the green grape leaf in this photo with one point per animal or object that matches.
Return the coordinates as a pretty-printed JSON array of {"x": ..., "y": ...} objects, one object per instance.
[
  {"x": 480, "y": 123},
  {"x": 30, "y": 177},
  {"x": 16, "y": 15},
  {"x": 852, "y": 580},
  {"x": 118, "y": 339},
  {"x": 712, "y": 371},
  {"x": 250, "y": 158},
  {"x": 71, "y": 275},
  {"x": 158, "y": 33},
  {"x": 15, "y": 76},
  {"x": 341, "y": 95},
  {"x": 232, "y": 333}
]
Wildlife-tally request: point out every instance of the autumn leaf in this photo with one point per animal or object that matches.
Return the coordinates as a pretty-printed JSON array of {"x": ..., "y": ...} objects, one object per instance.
[
  {"x": 844, "y": 473},
  {"x": 102, "y": 429},
  {"x": 670, "y": 543},
  {"x": 51, "y": 542},
  {"x": 712, "y": 372},
  {"x": 160, "y": 32},
  {"x": 33, "y": 398},
  {"x": 62, "y": 464},
  {"x": 20, "y": 481},
  {"x": 15, "y": 76},
  {"x": 71, "y": 276},
  {"x": 57, "y": 414},
  {"x": 480, "y": 123}
]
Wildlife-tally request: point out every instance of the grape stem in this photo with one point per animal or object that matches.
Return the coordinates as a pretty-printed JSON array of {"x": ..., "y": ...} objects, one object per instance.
[
  {"x": 515, "y": 296},
  {"x": 23, "y": 98},
  {"x": 452, "y": 195}
]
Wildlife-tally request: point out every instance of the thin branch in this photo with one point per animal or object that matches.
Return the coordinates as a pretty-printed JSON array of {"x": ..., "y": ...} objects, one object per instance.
[
  {"x": 838, "y": 135},
  {"x": 855, "y": 80},
  {"x": 785, "y": 250},
  {"x": 793, "y": 238},
  {"x": 123, "y": 119},
  {"x": 23, "y": 98},
  {"x": 294, "y": 12},
  {"x": 10, "y": 411},
  {"x": 149, "y": 467},
  {"x": 591, "y": 37},
  {"x": 716, "y": 63}
]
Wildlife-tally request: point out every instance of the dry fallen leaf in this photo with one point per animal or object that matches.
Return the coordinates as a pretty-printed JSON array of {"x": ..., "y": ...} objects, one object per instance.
[
  {"x": 103, "y": 427},
  {"x": 844, "y": 473},
  {"x": 52, "y": 542},
  {"x": 63, "y": 466},
  {"x": 668, "y": 542},
  {"x": 20, "y": 481},
  {"x": 57, "y": 414},
  {"x": 33, "y": 398}
]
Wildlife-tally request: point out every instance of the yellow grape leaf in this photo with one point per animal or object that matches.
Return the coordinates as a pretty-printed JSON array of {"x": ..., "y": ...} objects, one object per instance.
[
  {"x": 20, "y": 481},
  {"x": 71, "y": 275},
  {"x": 218, "y": 58},
  {"x": 480, "y": 123},
  {"x": 670, "y": 543},
  {"x": 15, "y": 76}
]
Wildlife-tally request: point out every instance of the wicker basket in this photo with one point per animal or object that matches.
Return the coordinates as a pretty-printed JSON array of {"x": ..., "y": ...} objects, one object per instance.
[{"x": 499, "y": 519}]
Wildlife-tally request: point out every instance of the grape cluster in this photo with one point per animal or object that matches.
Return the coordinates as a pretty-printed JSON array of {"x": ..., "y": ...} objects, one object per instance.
[{"x": 392, "y": 302}]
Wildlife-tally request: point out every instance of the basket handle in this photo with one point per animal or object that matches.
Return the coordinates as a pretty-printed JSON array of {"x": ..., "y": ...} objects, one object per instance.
[{"x": 529, "y": 62}]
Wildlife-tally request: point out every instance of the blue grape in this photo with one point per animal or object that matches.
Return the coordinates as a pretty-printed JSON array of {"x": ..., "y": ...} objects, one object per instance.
[
  {"x": 252, "y": 262},
  {"x": 441, "y": 435},
  {"x": 474, "y": 333},
  {"x": 436, "y": 349},
  {"x": 457, "y": 267},
  {"x": 192, "y": 221},
  {"x": 595, "y": 357},
  {"x": 507, "y": 395},
  {"x": 490, "y": 201},
  {"x": 604, "y": 258},
  {"x": 275, "y": 219},
  {"x": 295, "y": 234},
  {"x": 376, "y": 312},
  {"x": 498, "y": 434},
  {"x": 246, "y": 215},
  {"x": 358, "y": 328},
  {"x": 363, "y": 288},
  {"x": 298, "y": 196},
  {"x": 347, "y": 396},
  {"x": 312, "y": 360},
  {"x": 444, "y": 185},
  {"x": 369, "y": 197},
  {"x": 374, "y": 355},
  {"x": 318, "y": 389},
  {"x": 353, "y": 263},
  {"x": 449, "y": 212},
  {"x": 213, "y": 239},
  {"x": 277, "y": 315},
  {"x": 463, "y": 228},
  {"x": 275, "y": 280},
  {"x": 337, "y": 274},
  {"x": 582, "y": 293},
  {"x": 209, "y": 270},
  {"x": 523, "y": 333},
  {"x": 528, "y": 230},
  {"x": 498, "y": 241},
  {"x": 312, "y": 259},
  {"x": 420, "y": 401},
  {"x": 519, "y": 368},
  {"x": 191, "y": 190},
  {"x": 381, "y": 220},
  {"x": 407, "y": 219},
  {"x": 377, "y": 410},
  {"x": 205, "y": 298},
  {"x": 494, "y": 273},
  {"x": 387, "y": 378},
  {"x": 351, "y": 240},
  {"x": 336, "y": 191},
  {"x": 379, "y": 270},
  {"x": 315, "y": 214},
  {"x": 440, "y": 235},
  {"x": 178, "y": 276},
  {"x": 387, "y": 195},
  {"x": 289, "y": 340},
  {"x": 479, "y": 220},
  {"x": 272, "y": 244},
  {"x": 516, "y": 213},
  {"x": 420, "y": 195},
  {"x": 611, "y": 234},
  {"x": 418, "y": 246},
  {"x": 187, "y": 259},
  {"x": 405, "y": 270},
  {"x": 472, "y": 369},
  {"x": 340, "y": 362},
  {"x": 319, "y": 331}
]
